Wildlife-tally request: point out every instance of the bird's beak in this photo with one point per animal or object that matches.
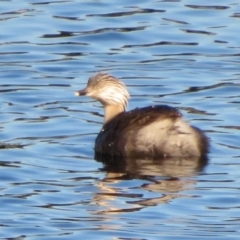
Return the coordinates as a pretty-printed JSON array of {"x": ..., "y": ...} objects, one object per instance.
[{"x": 82, "y": 92}]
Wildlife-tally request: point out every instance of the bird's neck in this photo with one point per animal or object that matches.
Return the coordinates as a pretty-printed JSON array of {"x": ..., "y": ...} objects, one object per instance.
[{"x": 112, "y": 111}]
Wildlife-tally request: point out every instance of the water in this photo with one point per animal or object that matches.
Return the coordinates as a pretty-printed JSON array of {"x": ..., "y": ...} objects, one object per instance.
[{"x": 180, "y": 53}]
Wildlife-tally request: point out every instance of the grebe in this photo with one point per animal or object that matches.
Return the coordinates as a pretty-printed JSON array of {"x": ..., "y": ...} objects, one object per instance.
[{"x": 149, "y": 132}]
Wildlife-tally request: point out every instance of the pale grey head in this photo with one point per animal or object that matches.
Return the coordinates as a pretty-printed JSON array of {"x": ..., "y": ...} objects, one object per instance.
[{"x": 110, "y": 91}]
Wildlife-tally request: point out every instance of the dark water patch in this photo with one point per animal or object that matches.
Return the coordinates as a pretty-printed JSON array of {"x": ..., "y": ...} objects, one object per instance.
[
  {"x": 196, "y": 89},
  {"x": 230, "y": 127},
  {"x": 17, "y": 42},
  {"x": 63, "y": 43},
  {"x": 20, "y": 11},
  {"x": 58, "y": 35},
  {"x": 220, "y": 41},
  {"x": 71, "y": 54},
  {"x": 236, "y": 15},
  {"x": 210, "y": 7},
  {"x": 200, "y": 54},
  {"x": 166, "y": 59},
  {"x": 68, "y": 18},
  {"x": 40, "y": 119},
  {"x": 50, "y": 2},
  {"x": 10, "y": 53},
  {"x": 198, "y": 32},
  {"x": 175, "y": 21},
  {"x": 6, "y": 19},
  {"x": 97, "y": 31},
  {"x": 161, "y": 43},
  {"x": 33, "y": 85},
  {"x": 8, "y": 146},
  {"x": 122, "y": 14}
]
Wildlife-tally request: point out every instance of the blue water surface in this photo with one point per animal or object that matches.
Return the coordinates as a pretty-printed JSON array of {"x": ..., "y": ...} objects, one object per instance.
[{"x": 184, "y": 53}]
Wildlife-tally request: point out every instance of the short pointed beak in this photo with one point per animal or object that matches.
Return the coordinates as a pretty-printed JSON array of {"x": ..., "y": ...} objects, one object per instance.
[{"x": 81, "y": 92}]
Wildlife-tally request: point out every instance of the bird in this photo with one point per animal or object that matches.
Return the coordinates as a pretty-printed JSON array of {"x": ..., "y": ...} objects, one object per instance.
[{"x": 157, "y": 131}]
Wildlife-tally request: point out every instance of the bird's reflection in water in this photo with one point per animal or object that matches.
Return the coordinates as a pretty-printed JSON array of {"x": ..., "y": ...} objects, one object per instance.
[{"x": 168, "y": 177}]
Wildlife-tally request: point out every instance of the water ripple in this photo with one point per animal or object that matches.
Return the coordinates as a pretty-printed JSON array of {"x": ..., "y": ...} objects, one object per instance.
[{"x": 180, "y": 53}]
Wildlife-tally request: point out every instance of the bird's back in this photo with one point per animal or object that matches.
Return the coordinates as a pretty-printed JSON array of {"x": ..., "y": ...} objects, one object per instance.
[{"x": 155, "y": 131}]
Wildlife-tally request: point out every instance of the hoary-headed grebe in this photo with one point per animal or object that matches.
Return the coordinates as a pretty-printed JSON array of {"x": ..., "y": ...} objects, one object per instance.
[{"x": 154, "y": 131}]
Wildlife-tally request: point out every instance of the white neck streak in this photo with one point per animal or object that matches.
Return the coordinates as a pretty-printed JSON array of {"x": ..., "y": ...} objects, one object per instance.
[{"x": 112, "y": 111}]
